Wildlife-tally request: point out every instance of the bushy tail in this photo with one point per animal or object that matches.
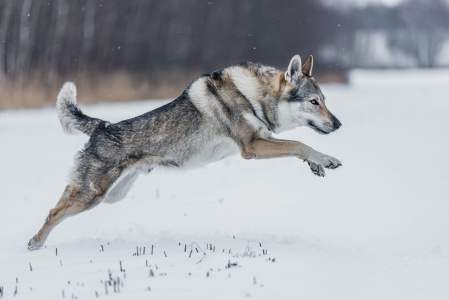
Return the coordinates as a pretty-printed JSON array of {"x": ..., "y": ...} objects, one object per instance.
[{"x": 72, "y": 119}]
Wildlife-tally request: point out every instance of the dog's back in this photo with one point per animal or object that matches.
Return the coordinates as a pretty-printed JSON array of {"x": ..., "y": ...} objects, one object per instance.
[{"x": 211, "y": 113}]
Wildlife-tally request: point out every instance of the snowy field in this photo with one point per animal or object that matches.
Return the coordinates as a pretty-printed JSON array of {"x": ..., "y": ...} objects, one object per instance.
[{"x": 377, "y": 228}]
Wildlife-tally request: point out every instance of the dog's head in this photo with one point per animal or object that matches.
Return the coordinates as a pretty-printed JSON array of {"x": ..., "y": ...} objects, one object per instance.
[{"x": 302, "y": 103}]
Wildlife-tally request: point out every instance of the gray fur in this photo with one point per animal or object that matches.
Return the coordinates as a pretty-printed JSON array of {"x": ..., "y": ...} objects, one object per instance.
[{"x": 233, "y": 110}]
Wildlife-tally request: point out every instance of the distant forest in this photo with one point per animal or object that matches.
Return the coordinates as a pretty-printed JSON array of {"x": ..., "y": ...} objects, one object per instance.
[{"x": 143, "y": 45}]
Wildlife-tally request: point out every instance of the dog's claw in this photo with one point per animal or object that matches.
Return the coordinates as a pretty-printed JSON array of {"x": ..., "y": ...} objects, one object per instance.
[
  {"x": 316, "y": 169},
  {"x": 331, "y": 166}
]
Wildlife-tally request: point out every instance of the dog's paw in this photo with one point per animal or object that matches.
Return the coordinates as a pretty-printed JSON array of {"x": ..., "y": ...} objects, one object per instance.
[
  {"x": 319, "y": 161},
  {"x": 326, "y": 161},
  {"x": 318, "y": 170},
  {"x": 33, "y": 244}
]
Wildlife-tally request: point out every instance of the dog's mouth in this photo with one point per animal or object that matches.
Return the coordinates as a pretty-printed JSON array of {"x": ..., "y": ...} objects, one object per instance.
[{"x": 317, "y": 129}]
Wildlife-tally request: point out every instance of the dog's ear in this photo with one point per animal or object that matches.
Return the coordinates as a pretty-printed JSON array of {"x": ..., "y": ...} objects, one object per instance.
[
  {"x": 307, "y": 68},
  {"x": 293, "y": 73}
]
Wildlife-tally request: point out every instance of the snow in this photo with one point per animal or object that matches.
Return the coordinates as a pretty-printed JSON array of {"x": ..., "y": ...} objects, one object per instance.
[{"x": 376, "y": 228}]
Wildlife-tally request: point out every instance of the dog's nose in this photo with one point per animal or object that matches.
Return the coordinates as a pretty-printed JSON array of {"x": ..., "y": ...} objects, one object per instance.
[{"x": 337, "y": 123}]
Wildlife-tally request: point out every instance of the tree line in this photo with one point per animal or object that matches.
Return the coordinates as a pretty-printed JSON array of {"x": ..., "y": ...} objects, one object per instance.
[{"x": 47, "y": 40}]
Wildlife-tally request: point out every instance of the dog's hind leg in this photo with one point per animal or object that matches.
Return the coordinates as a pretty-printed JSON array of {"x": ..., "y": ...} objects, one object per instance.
[
  {"x": 79, "y": 196},
  {"x": 72, "y": 202},
  {"x": 121, "y": 186},
  {"x": 91, "y": 183},
  {"x": 65, "y": 195}
]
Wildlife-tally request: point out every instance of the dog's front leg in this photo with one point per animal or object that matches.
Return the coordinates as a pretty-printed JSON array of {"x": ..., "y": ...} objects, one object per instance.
[{"x": 263, "y": 148}]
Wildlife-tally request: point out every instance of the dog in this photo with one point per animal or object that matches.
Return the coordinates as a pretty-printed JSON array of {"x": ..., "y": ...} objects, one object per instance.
[{"x": 229, "y": 111}]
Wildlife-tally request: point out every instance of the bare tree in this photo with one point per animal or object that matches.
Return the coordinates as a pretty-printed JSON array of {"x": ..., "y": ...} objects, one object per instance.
[
  {"x": 24, "y": 37},
  {"x": 60, "y": 30},
  {"x": 88, "y": 32},
  {"x": 5, "y": 21},
  {"x": 425, "y": 30}
]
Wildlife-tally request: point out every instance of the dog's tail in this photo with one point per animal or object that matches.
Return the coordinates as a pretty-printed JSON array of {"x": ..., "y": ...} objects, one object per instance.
[{"x": 72, "y": 119}]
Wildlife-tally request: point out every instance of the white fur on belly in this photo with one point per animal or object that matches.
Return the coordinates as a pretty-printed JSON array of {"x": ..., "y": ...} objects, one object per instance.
[{"x": 212, "y": 152}]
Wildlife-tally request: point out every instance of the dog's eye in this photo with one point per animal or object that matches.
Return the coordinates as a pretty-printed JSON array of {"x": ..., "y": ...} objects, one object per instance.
[{"x": 314, "y": 102}]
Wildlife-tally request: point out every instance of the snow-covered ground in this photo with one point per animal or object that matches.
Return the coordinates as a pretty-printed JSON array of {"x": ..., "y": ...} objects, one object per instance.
[{"x": 377, "y": 228}]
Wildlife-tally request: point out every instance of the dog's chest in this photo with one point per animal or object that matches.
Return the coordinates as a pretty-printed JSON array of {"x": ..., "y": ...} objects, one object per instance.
[{"x": 212, "y": 152}]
